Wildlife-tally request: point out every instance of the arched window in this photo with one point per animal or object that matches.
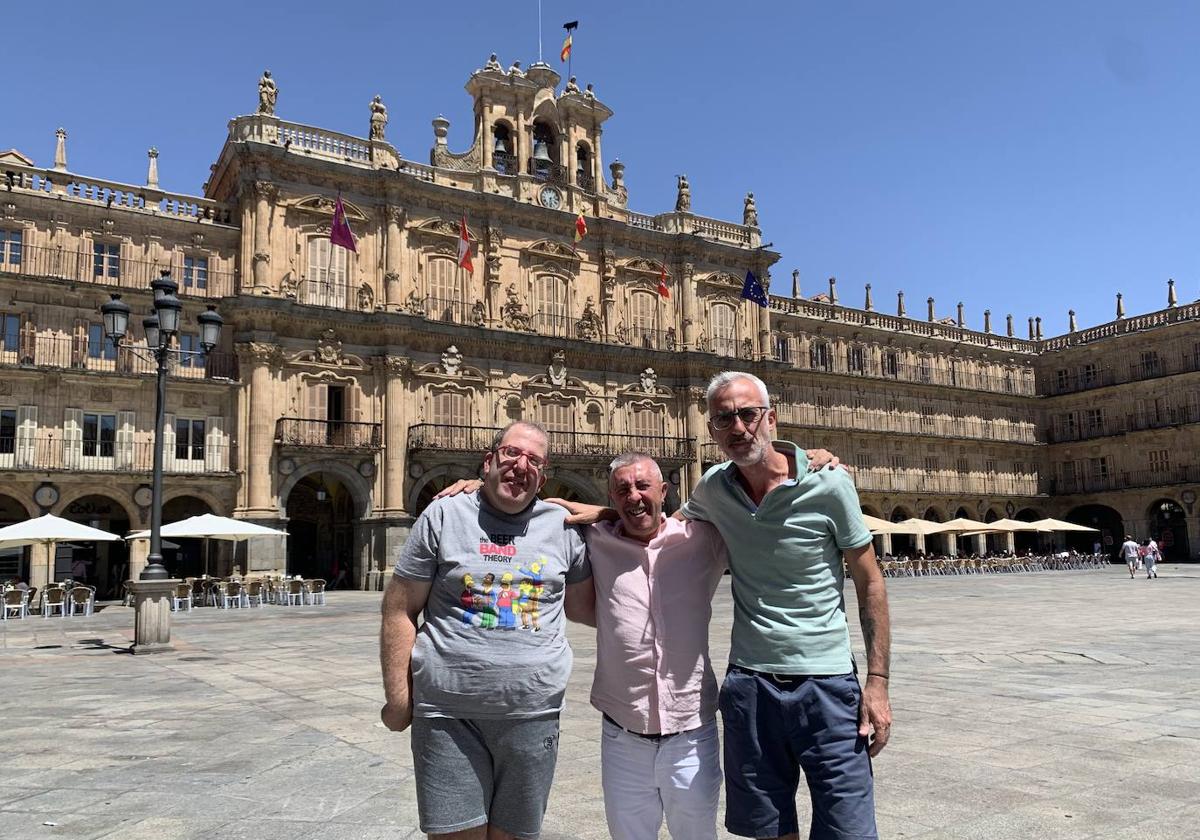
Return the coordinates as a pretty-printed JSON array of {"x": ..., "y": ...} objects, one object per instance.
[
  {"x": 445, "y": 300},
  {"x": 583, "y": 168},
  {"x": 325, "y": 282},
  {"x": 550, "y": 305},
  {"x": 544, "y": 163},
  {"x": 504, "y": 160},
  {"x": 643, "y": 319},
  {"x": 724, "y": 329}
]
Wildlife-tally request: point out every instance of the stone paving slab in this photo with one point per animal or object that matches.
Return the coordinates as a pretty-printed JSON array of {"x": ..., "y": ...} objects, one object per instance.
[{"x": 1046, "y": 705}]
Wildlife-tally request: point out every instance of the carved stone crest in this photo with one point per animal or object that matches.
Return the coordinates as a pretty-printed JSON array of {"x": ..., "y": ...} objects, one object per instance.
[
  {"x": 329, "y": 348},
  {"x": 649, "y": 380},
  {"x": 478, "y": 313},
  {"x": 514, "y": 316},
  {"x": 747, "y": 348},
  {"x": 672, "y": 342},
  {"x": 366, "y": 297},
  {"x": 557, "y": 370},
  {"x": 452, "y": 360},
  {"x": 588, "y": 326}
]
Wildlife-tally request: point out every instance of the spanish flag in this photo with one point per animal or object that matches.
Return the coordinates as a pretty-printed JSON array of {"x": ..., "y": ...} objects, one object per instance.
[
  {"x": 580, "y": 228},
  {"x": 565, "y": 52}
]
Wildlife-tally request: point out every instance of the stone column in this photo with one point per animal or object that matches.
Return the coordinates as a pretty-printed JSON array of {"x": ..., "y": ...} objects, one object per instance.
[
  {"x": 392, "y": 293},
  {"x": 691, "y": 306},
  {"x": 885, "y": 544},
  {"x": 395, "y": 431},
  {"x": 152, "y": 615},
  {"x": 980, "y": 544},
  {"x": 694, "y": 427},
  {"x": 40, "y": 571},
  {"x": 264, "y": 193},
  {"x": 260, "y": 358},
  {"x": 139, "y": 553}
]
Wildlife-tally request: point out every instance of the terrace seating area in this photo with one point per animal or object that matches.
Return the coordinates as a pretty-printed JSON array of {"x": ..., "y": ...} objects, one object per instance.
[
  {"x": 921, "y": 566},
  {"x": 63, "y": 599},
  {"x": 235, "y": 592}
]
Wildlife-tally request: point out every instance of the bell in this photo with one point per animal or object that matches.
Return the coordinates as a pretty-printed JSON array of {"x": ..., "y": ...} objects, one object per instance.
[
  {"x": 499, "y": 146},
  {"x": 541, "y": 153}
]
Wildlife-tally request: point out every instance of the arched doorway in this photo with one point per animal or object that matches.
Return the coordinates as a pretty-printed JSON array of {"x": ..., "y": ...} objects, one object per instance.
[
  {"x": 14, "y": 562},
  {"x": 1168, "y": 526},
  {"x": 104, "y": 565},
  {"x": 321, "y": 513},
  {"x": 995, "y": 542},
  {"x": 936, "y": 543},
  {"x": 188, "y": 559},
  {"x": 903, "y": 545},
  {"x": 966, "y": 545},
  {"x": 1107, "y": 520},
  {"x": 1027, "y": 540}
]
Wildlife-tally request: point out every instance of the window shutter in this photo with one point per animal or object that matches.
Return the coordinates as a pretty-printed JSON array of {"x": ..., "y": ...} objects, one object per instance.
[
  {"x": 28, "y": 339},
  {"x": 26, "y": 435},
  {"x": 73, "y": 438},
  {"x": 216, "y": 448},
  {"x": 318, "y": 401},
  {"x": 168, "y": 432},
  {"x": 124, "y": 440},
  {"x": 79, "y": 344}
]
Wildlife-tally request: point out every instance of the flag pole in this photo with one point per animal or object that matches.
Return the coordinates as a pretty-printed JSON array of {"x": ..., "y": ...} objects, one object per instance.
[{"x": 539, "y": 31}]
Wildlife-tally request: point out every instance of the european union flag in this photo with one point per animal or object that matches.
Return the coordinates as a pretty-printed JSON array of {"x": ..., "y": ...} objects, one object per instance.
[{"x": 753, "y": 290}]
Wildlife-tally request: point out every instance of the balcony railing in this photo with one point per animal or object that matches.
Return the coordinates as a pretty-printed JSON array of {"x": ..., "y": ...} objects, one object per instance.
[
  {"x": 908, "y": 423},
  {"x": 70, "y": 353},
  {"x": 448, "y": 310},
  {"x": 327, "y": 434},
  {"x": 1072, "y": 381},
  {"x": 592, "y": 446},
  {"x": 85, "y": 267},
  {"x": 1140, "y": 421},
  {"x": 1123, "y": 479},
  {"x": 505, "y": 164},
  {"x": 330, "y": 295},
  {"x": 51, "y": 451}
]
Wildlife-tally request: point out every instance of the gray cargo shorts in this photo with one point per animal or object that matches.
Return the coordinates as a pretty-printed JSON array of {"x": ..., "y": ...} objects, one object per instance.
[{"x": 471, "y": 772}]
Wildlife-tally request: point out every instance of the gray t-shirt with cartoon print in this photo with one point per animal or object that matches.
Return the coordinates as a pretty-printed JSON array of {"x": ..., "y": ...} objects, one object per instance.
[{"x": 493, "y": 643}]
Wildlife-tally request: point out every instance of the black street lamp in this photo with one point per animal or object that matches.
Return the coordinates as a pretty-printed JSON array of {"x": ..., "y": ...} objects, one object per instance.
[{"x": 160, "y": 329}]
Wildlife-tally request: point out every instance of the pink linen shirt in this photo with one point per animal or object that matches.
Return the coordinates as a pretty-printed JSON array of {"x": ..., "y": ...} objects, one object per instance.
[{"x": 653, "y": 604}]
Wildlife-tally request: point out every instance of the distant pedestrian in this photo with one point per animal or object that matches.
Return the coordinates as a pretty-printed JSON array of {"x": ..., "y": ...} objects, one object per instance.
[
  {"x": 1150, "y": 558},
  {"x": 1129, "y": 553}
]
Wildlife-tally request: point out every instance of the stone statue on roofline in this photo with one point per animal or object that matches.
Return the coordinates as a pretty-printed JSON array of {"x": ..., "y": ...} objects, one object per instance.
[
  {"x": 516, "y": 70},
  {"x": 589, "y": 91},
  {"x": 493, "y": 63},
  {"x": 572, "y": 86},
  {"x": 750, "y": 211},
  {"x": 268, "y": 93},
  {"x": 379, "y": 118},
  {"x": 683, "y": 199}
]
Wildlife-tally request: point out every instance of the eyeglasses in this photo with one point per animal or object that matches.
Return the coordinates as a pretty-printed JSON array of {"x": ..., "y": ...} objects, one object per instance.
[
  {"x": 748, "y": 414},
  {"x": 512, "y": 454}
]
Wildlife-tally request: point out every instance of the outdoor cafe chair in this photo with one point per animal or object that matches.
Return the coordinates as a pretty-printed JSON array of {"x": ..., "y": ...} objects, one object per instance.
[
  {"x": 16, "y": 601},
  {"x": 316, "y": 591},
  {"x": 231, "y": 595},
  {"x": 295, "y": 592},
  {"x": 181, "y": 597},
  {"x": 54, "y": 598},
  {"x": 253, "y": 592},
  {"x": 80, "y": 600}
]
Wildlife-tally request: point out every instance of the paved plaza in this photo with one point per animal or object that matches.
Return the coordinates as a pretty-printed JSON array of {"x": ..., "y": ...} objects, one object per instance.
[{"x": 1044, "y": 705}]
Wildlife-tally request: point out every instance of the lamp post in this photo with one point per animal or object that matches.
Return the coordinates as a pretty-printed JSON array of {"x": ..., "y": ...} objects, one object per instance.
[{"x": 160, "y": 329}]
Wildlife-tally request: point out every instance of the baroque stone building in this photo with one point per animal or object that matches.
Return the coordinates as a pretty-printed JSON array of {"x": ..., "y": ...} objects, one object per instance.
[{"x": 351, "y": 386}]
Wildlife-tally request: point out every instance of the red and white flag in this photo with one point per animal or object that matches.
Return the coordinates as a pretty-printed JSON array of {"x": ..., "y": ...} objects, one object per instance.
[
  {"x": 464, "y": 247},
  {"x": 662, "y": 281},
  {"x": 339, "y": 232}
]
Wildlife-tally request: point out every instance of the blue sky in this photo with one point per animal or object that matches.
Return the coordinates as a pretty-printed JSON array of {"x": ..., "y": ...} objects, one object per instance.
[{"x": 1029, "y": 157}]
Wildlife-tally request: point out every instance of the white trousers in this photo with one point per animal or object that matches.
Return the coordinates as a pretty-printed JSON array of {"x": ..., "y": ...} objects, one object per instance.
[{"x": 678, "y": 776}]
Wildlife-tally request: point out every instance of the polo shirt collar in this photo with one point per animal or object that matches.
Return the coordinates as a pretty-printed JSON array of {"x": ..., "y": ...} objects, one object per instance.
[{"x": 787, "y": 448}]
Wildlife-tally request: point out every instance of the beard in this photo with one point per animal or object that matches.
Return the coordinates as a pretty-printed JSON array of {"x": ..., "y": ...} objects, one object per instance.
[{"x": 755, "y": 455}]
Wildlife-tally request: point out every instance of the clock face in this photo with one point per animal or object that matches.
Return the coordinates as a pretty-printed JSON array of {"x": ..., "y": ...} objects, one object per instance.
[
  {"x": 550, "y": 198},
  {"x": 46, "y": 495}
]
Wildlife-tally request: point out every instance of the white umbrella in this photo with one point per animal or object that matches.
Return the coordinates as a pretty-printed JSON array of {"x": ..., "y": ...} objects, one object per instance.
[
  {"x": 876, "y": 525},
  {"x": 1060, "y": 525},
  {"x": 49, "y": 529},
  {"x": 916, "y": 526},
  {"x": 208, "y": 526},
  {"x": 958, "y": 526},
  {"x": 1014, "y": 525}
]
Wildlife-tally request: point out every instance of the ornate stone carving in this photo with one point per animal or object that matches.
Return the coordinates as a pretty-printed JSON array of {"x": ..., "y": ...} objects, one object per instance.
[
  {"x": 391, "y": 277},
  {"x": 588, "y": 326},
  {"x": 683, "y": 196},
  {"x": 515, "y": 69},
  {"x": 452, "y": 360},
  {"x": 100, "y": 395},
  {"x": 747, "y": 348},
  {"x": 749, "y": 211},
  {"x": 287, "y": 286},
  {"x": 649, "y": 380},
  {"x": 329, "y": 349},
  {"x": 672, "y": 342},
  {"x": 556, "y": 372},
  {"x": 400, "y": 366},
  {"x": 478, "y": 313},
  {"x": 514, "y": 316},
  {"x": 621, "y": 334},
  {"x": 262, "y": 257},
  {"x": 266, "y": 189},
  {"x": 260, "y": 353},
  {"x": 394, "y": 214},
  {"x": 572, "y": 86},
  {"x": 379, "y": 118},
  {"x": 696, "y": 393},
  {"x": 701, "y": 341},
  {"x": 493, "y": 63},
  {"x": 268, "y": 94},
  {"x": 366, "y": 297}
]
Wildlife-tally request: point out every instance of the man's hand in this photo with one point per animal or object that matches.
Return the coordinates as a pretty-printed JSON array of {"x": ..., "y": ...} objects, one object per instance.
[
  {"x": 463, "y": 485},
  {"x": 397, "y": 717},
  {"x": 583, "y": 514},
  {"x": 818, "y": 459},
  {"x": 875, "y": 714}
]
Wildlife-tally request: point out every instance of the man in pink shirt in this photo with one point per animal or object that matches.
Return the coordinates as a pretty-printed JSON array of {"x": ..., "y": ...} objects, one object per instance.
[{"x": 654, "y": 578}]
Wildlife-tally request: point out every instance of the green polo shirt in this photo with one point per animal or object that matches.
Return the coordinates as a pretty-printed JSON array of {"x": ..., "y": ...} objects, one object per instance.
[{"x": 785, "y": 556}]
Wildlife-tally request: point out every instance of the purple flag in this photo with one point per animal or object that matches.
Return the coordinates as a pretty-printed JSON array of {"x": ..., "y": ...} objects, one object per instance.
[{"x": 339, "y": 232}]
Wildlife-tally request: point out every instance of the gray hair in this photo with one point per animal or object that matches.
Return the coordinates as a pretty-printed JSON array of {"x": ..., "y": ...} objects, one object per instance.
[
  {"x": 726, "y": 378},
  {"x": 633, "y": 456},
  {"x": 529, "y": 424}
]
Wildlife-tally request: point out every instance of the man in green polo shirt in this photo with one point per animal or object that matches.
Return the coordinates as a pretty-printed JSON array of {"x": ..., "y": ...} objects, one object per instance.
[{"x": 791, "y": 700}]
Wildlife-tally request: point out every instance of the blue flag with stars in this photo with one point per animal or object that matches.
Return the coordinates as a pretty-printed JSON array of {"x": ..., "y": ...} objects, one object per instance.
[{"x": 753, "y": 290}]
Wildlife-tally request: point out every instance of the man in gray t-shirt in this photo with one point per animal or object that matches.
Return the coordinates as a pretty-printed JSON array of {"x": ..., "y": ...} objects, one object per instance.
[{"x": 482, "y": 680}]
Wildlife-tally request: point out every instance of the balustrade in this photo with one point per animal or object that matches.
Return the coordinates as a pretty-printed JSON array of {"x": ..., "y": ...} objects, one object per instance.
[
  {"x": 68, "y": 352},
  {"x": 328, "y": 434},
  {"x": 79, "y": 266},
  {"x": 562, "y": 445},
  {"x": 50, "y": 451}
]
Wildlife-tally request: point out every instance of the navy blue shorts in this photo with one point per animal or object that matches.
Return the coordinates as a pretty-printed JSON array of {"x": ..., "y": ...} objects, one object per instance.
[{"x": 773, "y": 730}]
